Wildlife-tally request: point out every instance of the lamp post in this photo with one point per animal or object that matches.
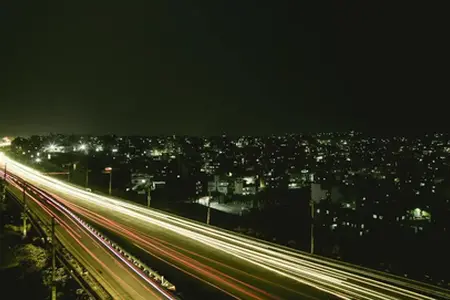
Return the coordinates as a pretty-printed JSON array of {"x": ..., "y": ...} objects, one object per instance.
[
  {"x": 87, "y": 178},
  {"x": 312, "y": 226},
  {"x": 24, "y": 213},
  {"x": 149, "y": 196},
  {"x": 148, "y": 185},
  {"x": 109, "y": 170},
  {"x": 208, "y": 212},
  {"x": 53, "y": 260},
  {"x": 2, "y": 205}
]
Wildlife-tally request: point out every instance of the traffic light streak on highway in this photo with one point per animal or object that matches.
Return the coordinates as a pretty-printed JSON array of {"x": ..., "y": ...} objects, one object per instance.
[
  {"x": 142, "y": 239},
  {"x": 153, "y": 245},
  {"x": 340, "y": 280},
  {"x": 77, "y": 223}
]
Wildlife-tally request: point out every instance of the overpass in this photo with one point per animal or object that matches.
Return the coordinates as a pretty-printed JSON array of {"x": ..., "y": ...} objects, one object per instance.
[{"x": 240, "y": 267}]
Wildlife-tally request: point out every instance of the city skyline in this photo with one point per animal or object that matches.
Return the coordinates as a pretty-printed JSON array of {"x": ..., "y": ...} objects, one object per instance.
[{"x": 361, "y": 186}]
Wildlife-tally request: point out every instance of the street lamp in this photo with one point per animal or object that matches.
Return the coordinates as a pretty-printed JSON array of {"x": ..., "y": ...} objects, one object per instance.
[
  {"x": 109, "y": 170},
  {"x": 149, "y": 197},
  {"x": 148, "y": 188},
  {"x": 312, "y": 226},
  {"x": 86, "y": 179}
]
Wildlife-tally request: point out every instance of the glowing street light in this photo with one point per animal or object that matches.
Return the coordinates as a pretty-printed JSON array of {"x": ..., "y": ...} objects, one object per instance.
[{"x": 51, "y": 148}]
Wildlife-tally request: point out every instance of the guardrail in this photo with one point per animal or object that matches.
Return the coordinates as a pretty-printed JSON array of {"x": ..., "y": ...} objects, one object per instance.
[
  {"x": 135, "y": 261},
  {"x": 432, "y": 290},
  {"x": 87, "y": 282},
  {"x": 150, "y": 276}
]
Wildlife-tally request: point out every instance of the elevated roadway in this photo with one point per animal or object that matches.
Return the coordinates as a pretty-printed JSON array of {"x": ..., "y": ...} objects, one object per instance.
[
  {"x": 118, "y": 277},
  {"x": 239, "y": 266}
]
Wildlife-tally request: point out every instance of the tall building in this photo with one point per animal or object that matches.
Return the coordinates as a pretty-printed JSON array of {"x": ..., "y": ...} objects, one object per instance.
[
  {"x": 239, "y": 186},
  {"x": 317, "y": 193},
  {"x": 218, "y": 185}
]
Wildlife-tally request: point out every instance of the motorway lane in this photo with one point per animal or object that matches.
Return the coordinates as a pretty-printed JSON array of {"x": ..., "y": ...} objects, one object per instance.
[
  {"x": 353, "y": 286},
  {"x": 232, "y": 252},
  {"x": 233, "y": 276},
  {"x": 369, "y": 282},
  {"x": 114, "y": 276}
]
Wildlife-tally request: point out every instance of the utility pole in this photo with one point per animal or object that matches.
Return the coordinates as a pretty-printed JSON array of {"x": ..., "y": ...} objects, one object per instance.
[
  {"x": 87, "y": 178},
  {"x": 312, "y": 226},
  {"x": 68, "y": 172},
  {"x": 87, "y": 173},
  {"x": 108, "y": 170},
  {"x": 2, "y": 196},
  {"x": 24, "y": 214},
  {"x": 208, "y": 214},
  {"x": 2, "y": 201},
  {"x": 53, "y": 260},
  {"x": 110, "y": 183},
  {"x": 2, "y": 207},
  {"x": 149, "y": 196}
]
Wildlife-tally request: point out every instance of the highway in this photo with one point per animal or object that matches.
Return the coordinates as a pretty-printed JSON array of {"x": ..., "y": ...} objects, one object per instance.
[
  {"x": 239, "y": 266},
  {"x": 119, "y": 278}
]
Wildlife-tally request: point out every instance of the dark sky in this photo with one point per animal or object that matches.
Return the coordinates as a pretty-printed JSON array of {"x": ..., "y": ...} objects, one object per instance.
[{"x": 243, "y": 67}]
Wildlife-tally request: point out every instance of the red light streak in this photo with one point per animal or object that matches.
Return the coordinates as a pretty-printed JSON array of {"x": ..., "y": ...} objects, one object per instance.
[{"x": 163, "y": 249}]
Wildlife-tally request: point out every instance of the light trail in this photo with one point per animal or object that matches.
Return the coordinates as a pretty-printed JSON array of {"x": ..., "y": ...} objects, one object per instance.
[
  {"x": 338, "y": 279},
  {"x": 150, "y": 244},
  {"x": 77, "y": 222},
  {"x": 139, "y": 235},
  {"x": 77, "y": 237}
]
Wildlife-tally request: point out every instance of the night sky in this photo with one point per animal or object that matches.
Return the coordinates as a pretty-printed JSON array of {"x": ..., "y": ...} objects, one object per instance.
[{"x": 241, "y": 67}]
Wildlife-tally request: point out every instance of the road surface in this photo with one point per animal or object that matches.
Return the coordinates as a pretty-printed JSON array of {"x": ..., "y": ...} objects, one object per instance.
[
  {"x": 119, "y": 280},
  {"x": 238, "y": 266}
]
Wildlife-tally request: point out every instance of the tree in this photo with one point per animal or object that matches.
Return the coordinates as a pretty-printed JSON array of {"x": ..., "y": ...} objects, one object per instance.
[
  {"x": 31, "y": 258},
  {"x": 61, "y": 277}
]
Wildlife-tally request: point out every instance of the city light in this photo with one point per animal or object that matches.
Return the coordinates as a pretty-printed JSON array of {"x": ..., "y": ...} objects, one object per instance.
[
  {"x": 334, "y": 278},
  {"x": 5, "y": 142},
  {"x": 54, "y": 148},
  {"x": 261, "y": 178}
]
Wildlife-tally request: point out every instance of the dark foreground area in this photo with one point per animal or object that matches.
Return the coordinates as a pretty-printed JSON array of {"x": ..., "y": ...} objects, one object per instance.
[{"x": 25, "y": 268}]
